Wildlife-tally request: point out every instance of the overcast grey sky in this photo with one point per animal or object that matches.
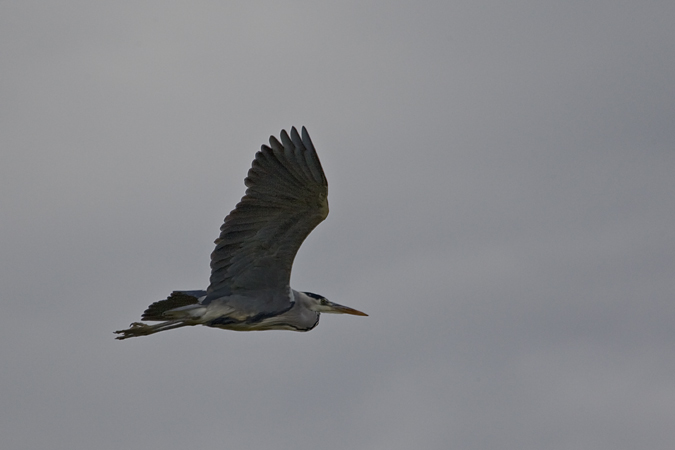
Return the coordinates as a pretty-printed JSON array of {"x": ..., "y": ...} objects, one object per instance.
[{"x": 502, "y": 191}]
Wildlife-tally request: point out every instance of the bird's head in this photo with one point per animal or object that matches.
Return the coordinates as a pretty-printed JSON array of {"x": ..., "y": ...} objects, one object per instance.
[{"x": 323, "y": 305}]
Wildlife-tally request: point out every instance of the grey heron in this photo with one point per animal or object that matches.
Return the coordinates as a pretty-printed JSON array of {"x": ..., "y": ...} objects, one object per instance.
[{"x": 286, "y": 198}]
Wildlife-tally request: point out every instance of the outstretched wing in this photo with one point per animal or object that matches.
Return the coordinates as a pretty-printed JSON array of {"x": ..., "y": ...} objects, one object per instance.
[{"x": 285, "y": 200}]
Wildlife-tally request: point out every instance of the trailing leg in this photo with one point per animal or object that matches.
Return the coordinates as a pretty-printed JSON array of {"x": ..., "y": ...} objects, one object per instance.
[{"x": 141, "y": 329}]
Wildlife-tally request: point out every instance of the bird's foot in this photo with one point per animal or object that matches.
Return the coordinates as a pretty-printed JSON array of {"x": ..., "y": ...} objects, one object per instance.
[{"x": 135, "y": 329}]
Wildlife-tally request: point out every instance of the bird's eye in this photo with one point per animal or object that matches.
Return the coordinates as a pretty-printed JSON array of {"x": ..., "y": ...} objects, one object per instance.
[{"x": 323, "y": 301}]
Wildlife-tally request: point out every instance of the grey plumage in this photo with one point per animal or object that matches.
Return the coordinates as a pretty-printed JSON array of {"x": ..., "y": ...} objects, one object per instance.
[{"x": 286, "y": 198}]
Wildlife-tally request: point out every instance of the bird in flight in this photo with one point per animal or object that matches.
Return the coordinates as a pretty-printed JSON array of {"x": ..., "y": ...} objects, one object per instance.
[{"x": 286, "y": 198}]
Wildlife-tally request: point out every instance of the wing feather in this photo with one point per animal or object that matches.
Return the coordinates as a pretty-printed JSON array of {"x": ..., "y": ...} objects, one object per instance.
[{"x": 286, "y": 198}]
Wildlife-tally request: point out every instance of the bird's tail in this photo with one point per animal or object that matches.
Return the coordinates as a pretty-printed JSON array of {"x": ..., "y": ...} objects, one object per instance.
[{"x": 177, "y": 299}]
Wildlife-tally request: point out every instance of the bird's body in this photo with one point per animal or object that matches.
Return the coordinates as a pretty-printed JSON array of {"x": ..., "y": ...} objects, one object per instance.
[{"x": 251, "y": 266}]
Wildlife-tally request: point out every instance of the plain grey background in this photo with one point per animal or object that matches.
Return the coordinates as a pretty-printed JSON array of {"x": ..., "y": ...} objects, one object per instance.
[{"x": 502, "y": 191}]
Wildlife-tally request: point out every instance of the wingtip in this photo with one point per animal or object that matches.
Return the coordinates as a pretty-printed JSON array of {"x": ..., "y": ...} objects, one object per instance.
[
  {"x": 297, "y": 141},
  {"x": 286, "y": 140},
  {"x": 275, "y": 144},
  {"x": 307, "y": 140}
]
